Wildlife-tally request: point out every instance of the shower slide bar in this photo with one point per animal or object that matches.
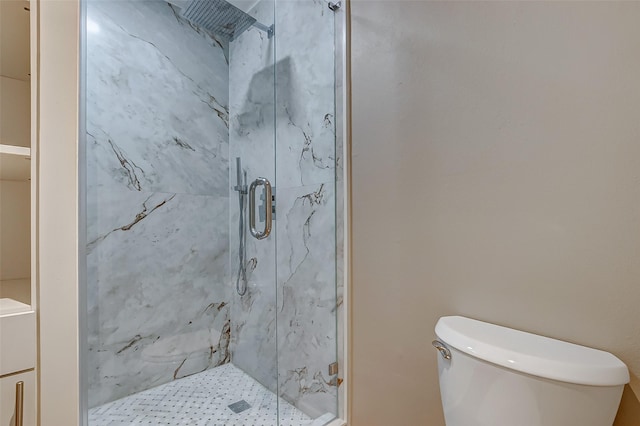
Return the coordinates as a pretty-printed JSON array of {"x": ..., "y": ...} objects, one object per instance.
[{"x": 266, "y": 213}]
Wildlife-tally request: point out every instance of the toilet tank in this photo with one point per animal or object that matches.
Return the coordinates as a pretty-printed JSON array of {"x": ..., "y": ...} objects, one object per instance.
[{"x": 497, "y": 376}]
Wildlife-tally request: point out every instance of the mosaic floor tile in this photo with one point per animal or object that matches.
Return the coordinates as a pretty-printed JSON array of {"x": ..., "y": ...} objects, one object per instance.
[{"x": 202, "y": 399}]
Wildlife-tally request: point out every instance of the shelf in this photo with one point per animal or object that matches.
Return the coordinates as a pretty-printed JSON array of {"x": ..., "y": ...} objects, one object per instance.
[
  {"x": 15, "y": 163},
  {"x": 10, "y": 306}
]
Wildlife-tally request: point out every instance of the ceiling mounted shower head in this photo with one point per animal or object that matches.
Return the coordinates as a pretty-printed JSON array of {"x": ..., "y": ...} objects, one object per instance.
[{"x": 221, "y": 17}]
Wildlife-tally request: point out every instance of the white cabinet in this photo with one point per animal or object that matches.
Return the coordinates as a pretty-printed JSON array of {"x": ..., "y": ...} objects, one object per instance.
[
  {"x": 8, "y": 397},
  {"x": 17, "y": 362},
  {"x": 17, "y": 337}
]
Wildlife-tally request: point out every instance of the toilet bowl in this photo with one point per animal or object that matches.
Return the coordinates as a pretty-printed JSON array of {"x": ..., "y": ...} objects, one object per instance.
[{"x": 496, "y": 376}]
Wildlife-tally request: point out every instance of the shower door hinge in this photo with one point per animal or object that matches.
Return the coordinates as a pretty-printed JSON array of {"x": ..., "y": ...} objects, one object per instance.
[
  {"x": 335, "y": 5},
  {"x": 333, "y": 369},
  {"x": 269, "y": 30}
]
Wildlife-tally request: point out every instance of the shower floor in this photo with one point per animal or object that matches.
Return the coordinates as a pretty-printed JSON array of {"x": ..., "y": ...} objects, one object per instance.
[{"x": 201, "y": 399}]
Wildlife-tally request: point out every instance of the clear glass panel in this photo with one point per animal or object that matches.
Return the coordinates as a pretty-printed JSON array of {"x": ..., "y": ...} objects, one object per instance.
[
  {"x": 306, "y": 210},
  {"x": 191, "y": 319},
  {"x": 252, "y": 144},
  {"x": 166, "y": 119}
]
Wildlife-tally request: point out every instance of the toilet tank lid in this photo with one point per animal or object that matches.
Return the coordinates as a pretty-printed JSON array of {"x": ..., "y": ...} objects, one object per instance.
[{"x": 532, "y": 354}]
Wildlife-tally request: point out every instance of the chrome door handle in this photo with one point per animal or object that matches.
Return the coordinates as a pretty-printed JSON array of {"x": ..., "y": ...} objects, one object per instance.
[
  {"x": 268, "y": 201},
  {"x": 19, "y": 404}
]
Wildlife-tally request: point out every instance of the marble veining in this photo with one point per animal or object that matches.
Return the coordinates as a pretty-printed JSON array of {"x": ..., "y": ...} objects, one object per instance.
[
  {"x": 300, "y": 108},
  {"x": 157, "y": 101},
  {"x": 307, "y": 298},
  {"x": 158, "y": 295},
  {"x": 306, "y": 178},
  {"x": 169, "y": 107},
  {"x": 305, "y": 86},
  {"x": 157, "y": 184}
]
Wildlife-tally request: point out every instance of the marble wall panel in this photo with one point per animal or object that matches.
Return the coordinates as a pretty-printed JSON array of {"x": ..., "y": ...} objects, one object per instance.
[
  {"x": 156, "y": 308},
  {"x": 307, "y": 341},
  {"x": 157, "y": 100},
  {"x": 157, "y": 198},
  {"x": 304, "y": 152},
  {"x": 305, "y": 86},
  {"x": 306, "y": 200}
]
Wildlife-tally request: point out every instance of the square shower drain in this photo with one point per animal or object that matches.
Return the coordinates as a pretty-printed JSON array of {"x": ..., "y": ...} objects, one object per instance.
[{"x": 240, "y": 406}]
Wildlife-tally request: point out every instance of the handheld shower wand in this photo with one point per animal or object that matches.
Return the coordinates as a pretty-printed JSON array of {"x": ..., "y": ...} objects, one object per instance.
[{"x": 241, "y": 187}]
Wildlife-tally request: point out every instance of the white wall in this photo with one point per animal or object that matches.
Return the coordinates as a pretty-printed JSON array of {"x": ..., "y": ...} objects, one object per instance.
[
  {"x": 15, "y": 112},
  {"x": 496, "y": 174}
]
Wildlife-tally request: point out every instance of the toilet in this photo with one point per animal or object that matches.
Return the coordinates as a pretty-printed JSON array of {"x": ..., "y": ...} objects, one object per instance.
[{"x": 496, "y": 376}]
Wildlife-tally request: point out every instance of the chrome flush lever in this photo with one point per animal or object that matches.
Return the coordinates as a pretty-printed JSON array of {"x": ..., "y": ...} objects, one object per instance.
[
  {"x": 268, "y": 208},
  {"x": 442, "y": 348}
]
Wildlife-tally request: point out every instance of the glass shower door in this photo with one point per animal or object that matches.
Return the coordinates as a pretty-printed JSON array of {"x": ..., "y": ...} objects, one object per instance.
[
  {"x": 252, "y": 221},
  {"x": 210, "y": 150},
  {"x": 306, "y": 159}
]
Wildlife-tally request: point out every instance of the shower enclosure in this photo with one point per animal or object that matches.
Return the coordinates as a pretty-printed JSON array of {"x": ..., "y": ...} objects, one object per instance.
[{"x": 213, "y": 198}]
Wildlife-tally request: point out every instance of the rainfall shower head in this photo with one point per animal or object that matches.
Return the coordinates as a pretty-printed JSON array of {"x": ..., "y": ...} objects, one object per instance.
[{"x": 221, "y": 17}]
